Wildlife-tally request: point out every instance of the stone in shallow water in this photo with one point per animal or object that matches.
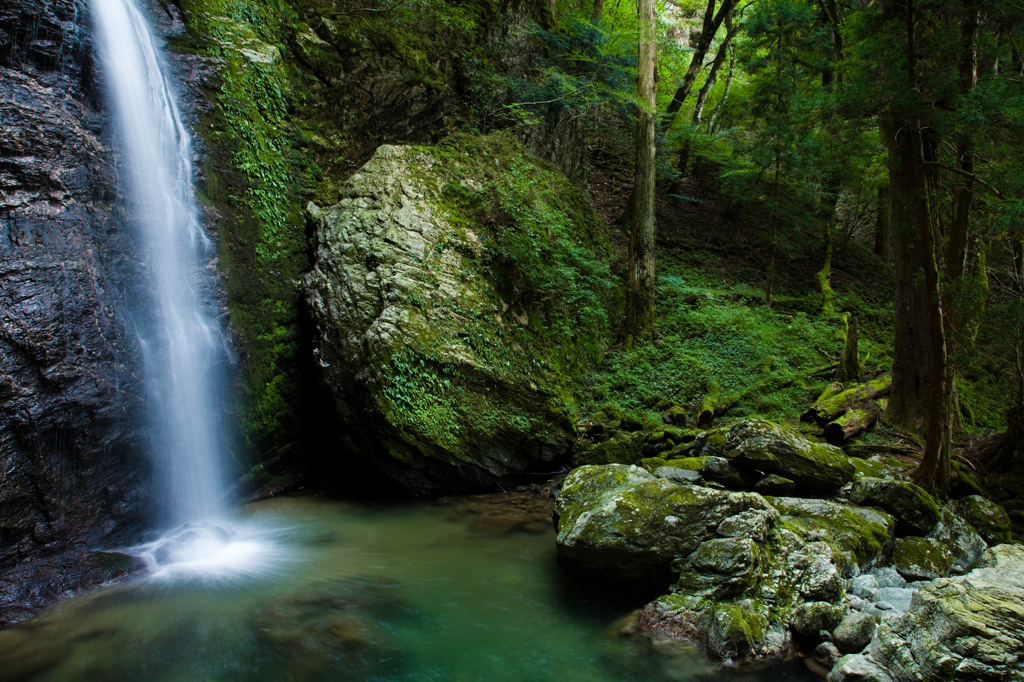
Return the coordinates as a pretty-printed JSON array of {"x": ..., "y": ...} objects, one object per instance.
[
  {"x": 811, "y": 618},
  {"x": 854, "y": 632},
  {"x": 827, "y": 654},
  {"x": 621, "y": 522}
]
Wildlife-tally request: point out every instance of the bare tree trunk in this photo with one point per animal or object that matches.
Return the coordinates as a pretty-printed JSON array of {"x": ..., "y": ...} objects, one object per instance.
[
  {"x": 882, "y": 223},
  {"x": 770, "y": 284},
  {"x": 709, "y": 28},
  {"x": 725, "y": 92},
  {"x": 933, "y": 472},
  {"x": 640, "y": 289},
  {"x": 595, "y": 15}
]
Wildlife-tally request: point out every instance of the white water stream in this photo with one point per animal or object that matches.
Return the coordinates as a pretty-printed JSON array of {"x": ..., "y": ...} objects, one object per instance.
[{"x": 184, "y": 348}]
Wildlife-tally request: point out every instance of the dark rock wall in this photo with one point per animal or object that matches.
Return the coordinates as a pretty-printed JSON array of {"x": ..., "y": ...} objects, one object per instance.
[{"x": 72, "y": 448}]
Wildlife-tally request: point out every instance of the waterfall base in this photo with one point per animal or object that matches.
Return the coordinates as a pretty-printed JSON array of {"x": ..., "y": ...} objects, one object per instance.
[{"x": 211, "y": 550}]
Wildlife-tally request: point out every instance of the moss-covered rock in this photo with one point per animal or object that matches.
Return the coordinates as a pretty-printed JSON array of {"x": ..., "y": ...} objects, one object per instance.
[
  {"x": 456, "y": 293},
  {"x": 810, "y": 618},
  {"x": 960, "y": 629},
  {"x": 862, "y": 535},
  {"x": 623, "y": 523},
  {"x": 773, "y": 449},
  {"x": 956, "y": 535},
  {"x": 854, "y": 632},
  {"x": 915, "y": 510},
  {"x": 987, "y": 517},
  {"x": 921, "y": 558},
  {"x": 773, "y": 484},
  {"x": 622, "y": 448}
]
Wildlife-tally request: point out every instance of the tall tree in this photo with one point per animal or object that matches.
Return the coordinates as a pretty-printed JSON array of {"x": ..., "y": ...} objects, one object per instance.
[{"x": 641, "y": 219}]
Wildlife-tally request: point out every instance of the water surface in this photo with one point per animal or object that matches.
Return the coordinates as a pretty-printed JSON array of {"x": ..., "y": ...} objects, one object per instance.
[{"x": 462, "y": 589}]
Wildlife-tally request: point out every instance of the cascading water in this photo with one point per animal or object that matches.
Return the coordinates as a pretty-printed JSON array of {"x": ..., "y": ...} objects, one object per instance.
[{"x": 185, "y": 350}]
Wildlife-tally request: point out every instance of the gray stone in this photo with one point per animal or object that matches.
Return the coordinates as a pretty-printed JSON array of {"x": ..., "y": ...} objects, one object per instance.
[
  {"x": 960, "y": 629},
  {"x": 897, "y": 598},
  {"x": 916, "y": 511},
  {"x": 763, "y": 446},
  {"x": 959, "y": 537},
  {"x": 678, "y": 476},
  {"x": 854, "y": 632},
  {"x": 858, "y": 668},
  {"x": 887, "y": 576},
  {"x": 865, "y": 586},
  {"x": 827, "y": 655},
  {"x": 811, "y": 618}
]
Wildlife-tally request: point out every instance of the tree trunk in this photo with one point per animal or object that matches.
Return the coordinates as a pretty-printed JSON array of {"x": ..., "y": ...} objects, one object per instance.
[
  {"x": 832, "y": 404},
  {"x": 882, "y": 223},
  {"x": 849, "y": 363},
  {"x": 911, "y": 370},
  {"x": 702, "y": 96},
  {"x": 828, "y": 297},
  {"x": 640, "y": 291},
  {"x": 770, "y": 283},
  {"x": 709, "y": 28},
  {"x": 595, "y": 15},
  {"x": 933, "y": 472},
  {"x": 725, "y": 91}
]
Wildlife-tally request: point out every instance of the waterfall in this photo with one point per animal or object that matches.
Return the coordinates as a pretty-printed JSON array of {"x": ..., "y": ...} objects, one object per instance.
[{"x": 183, "y": 347}]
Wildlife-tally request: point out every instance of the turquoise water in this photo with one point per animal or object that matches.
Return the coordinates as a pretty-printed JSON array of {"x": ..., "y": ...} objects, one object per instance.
[{"x": 462, "y": 589}]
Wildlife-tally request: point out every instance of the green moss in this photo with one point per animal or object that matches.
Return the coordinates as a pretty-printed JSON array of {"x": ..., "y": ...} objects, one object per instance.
[
  {"x": 864, "y": 534},
  {"x": 740, "y": 626},
  {"x": 690, "y": 463}
]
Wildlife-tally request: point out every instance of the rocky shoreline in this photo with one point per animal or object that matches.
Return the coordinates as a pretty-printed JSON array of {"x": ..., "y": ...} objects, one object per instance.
[{"x": 867, "y": 573}]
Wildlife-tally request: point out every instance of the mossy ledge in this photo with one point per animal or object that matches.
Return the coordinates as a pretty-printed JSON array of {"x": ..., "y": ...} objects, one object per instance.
[{"x": 458, "y": 292}]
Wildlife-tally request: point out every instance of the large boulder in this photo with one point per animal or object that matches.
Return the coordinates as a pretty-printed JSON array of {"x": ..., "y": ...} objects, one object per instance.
[
  {"x": 915, "y": 510},
  {"x": 621, "y": 522},
  {"x": 456, "y": 293},
  {"x": 958, "y": 629},
  {"x": 859, "y": 536},
  {"x": 987, "y": 517},
  {"x": 773, "y": 449}
]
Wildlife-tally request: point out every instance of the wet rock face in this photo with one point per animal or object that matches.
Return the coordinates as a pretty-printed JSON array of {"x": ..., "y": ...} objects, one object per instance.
[{"x": 70, "y": 379}]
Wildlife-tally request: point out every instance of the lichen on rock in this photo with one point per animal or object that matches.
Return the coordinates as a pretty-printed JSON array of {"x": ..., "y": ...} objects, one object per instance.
[{"x": 456, "y": 293}]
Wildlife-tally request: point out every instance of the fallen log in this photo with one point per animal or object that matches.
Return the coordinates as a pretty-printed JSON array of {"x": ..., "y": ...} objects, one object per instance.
[
  {"x": 854, "y": 421},
  {"x": 828, "y": 409}
]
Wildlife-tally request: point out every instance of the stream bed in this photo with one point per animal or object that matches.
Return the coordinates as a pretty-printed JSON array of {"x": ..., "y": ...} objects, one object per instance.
[{"x": 460, "y": 589}]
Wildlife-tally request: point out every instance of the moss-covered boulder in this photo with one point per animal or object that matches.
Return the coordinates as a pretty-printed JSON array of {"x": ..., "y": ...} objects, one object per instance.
[
  {"x": 915, "y": 510},
  {"x": 921, "y": 558},
  {"x": 959, "y": 538},
  {"x": 859, "y": 536},
  {"x": 457, "y": 290},
  {"x": 621, "y": 522},
  {"x": 854, "y": 632},
  {"x": 987, "y": 517},
  {"x": 763, "y": 446},
  {"x": 959, "y": 629}
]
